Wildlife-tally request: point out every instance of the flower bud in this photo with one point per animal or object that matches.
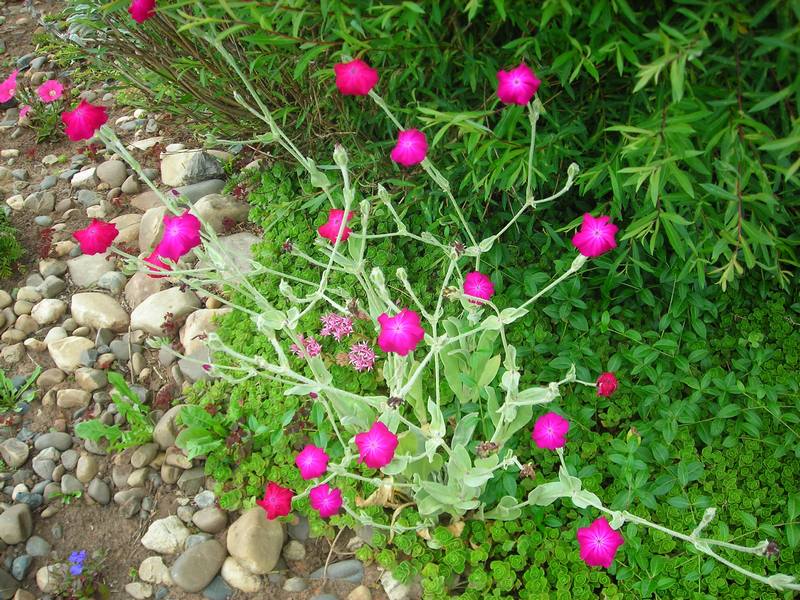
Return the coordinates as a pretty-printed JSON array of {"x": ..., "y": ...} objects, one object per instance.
[{"x": 340, "y": 156}]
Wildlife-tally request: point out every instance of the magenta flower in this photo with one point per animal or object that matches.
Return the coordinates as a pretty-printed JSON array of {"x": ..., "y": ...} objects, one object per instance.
[
  {"x": 326, "y": 500},
  {"x": 156, "y": 259},
  {"x": 596, "y": 236},
  {"x": 361, "y": 356},
  {"x": 478, "y": 285},
  {"x": 277, "y": 501},
  {"x": 355, "y": 78},
  {"x": 83, "y": 120},
  {"x": 607, "y": 384},
  {"x": 311, "y": 347},
  {"x": 312, "y": 462},
  {"x": 97, "y": 237},
  {"x": 550, "y": 431},
  {"x": 141, "y": 10},
  {"x": 517, "y": 86},
  {"x": 599, "y": 543},
  {"x": 181, "y": 234},
  {"x": 400, "y": 334},
  {"x": 337, "y": 326},
  {"x": 9, "y": 87},
  {"x": 331, "y": 228},
  {"x": 411, "y": 148},
  {"x": 23, "y": 112},
  {"x": 50, "y": 91},
  {"x": 376, "y": 447}
]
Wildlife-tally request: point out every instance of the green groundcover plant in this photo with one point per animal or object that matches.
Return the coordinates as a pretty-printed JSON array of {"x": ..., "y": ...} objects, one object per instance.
[
  {"x": 683, "y": 113},
  {"x": 398, "y": 439}
]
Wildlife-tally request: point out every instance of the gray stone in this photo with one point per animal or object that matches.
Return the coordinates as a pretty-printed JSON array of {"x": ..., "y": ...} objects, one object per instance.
[
  {"x": 99, "y": 311},
  {"x": 139, "y": 590},
  {"x": 218, "y": 589},
  {"x": 197, "y": 566},
  {"x": 165, "y": 431},
  {"x": 66, "y": 352},
  {"x": 255, "y": 542},
  {"x": 295, "y": 584},
  {"x": 299, "y": 531},
  {"x": 130, "y": 185},
  {"x": 324, "y": 597},
  {"x": 187, "y": 167},
  {"x": 167, "y": 536},
  {"x": 14, "y": 452},
  {"x": 153, "y": 570},
  {"x": 48, "y": 311},
  {"x": 237, "y": 251},
  {"x": 87, "y": 468},
  {"x": 16, "y": 524},
  {"x": 43, "y": 467},
  {"x": 144, "y": 455},
  {"x": 239, "y": 577},
  {"x": 49, "y": 181},
  {"x": 52, "y": 266},
  {"x": 8, "y": 586},
  {"x": 91, "y": 380},
  {"x": 86, "y": 270},
  {"x": 20, "y": 566},
  {"x": 73, "y": 398},
  {"x": 149, "y": 316},
  {"x": 192, "y": 480},
  {"x": 197, "y": 538},
  {"x": 205, "y": 499},
  {"x": 346, "y": 570},
  {"x": 112, "y": 172},
  {"x": 294, "y": 550},
  {"x": 52, "y": 286},
  {"x": 36, "y": 546},
  {"x": 210, "y": 520},
  {"x": 55, "y": 439},
  {"x": 99, "y": 491},
  {"x": 84, "y": 179},
  {"x": 69, "y": 459},
  {"x": 113, "y": 281},
  {"x": 220, "y": 212},
  {"x": 88, "y": 198},
  {"x": 70, "y": 485},
  {"x": 40, "y": 202},
  {"x": 120, "y": 349}
]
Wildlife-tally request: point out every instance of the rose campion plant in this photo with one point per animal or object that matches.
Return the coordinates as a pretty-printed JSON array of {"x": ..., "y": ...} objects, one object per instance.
[{"x": 431, "y": 359}]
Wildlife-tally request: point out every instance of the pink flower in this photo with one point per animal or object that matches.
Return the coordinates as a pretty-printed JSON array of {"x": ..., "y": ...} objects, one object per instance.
[
  {"x": 9, "y": 87},
  {"x": 596, "y": 236},
  {"x": 599, "y": 543},
  {"x": 355, "y": 78},
  {"x": 607, "y": 384},
  {"x": 50, "y": 91},
  {"x": 326, "y": 500},
  {"x": 181, "y": 234},
  {"x": 312, "y": 462},
  {"x": 361, "y": 356},
  {"x": 311, "y": 347},
  {"x": 411, "y": 148},
  {"x": 517, "y": 86},
  {"x": 141, "y": 10},
  {"x": 478, "y": 285},
  {"x": 331, "y": 229},
  {"x": 376, "y": 447},
  {"x": 336, "y": 325},
  {"x": 550, "y": 431},
  {"x": 23, "y": 112},
  {"x": 156, "y": 259},
  {"x": 83, "y": 120},
  {"x": 97, "y": 237},
  {"x": 277, "y": 501}
]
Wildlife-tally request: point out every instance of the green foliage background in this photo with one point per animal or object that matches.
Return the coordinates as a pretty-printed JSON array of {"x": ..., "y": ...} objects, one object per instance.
[{"x": 683, "y": 115}]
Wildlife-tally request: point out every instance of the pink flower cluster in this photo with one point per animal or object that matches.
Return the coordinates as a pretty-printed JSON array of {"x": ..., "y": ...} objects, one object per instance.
[
  {"x": 336, "y": 326},
  {"x": 310, "y": 349},
  {"x": 361, "y": 356}
]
